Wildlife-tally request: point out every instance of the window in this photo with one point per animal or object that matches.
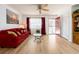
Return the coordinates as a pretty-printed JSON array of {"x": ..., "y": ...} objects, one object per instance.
[{"x": 35, "y": 24}]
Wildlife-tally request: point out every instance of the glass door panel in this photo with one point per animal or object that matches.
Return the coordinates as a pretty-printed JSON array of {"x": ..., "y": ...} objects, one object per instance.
[
  {"x": 52, "y": 26},
  {"x": 51, "y": 30}
]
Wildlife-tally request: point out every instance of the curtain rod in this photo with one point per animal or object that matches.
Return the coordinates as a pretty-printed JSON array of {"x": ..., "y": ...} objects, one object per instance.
[
  {"x": 37, "y": 16},
  {"x": 40, "y": 15}
]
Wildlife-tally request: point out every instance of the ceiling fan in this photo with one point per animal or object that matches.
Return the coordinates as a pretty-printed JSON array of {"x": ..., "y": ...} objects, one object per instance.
[{"x": 42, "y": 7}]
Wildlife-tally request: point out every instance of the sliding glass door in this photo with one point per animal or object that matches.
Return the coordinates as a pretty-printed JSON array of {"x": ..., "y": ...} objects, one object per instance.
[
  {"x": 54, "y": 26},
  {"x": 51, "y": 26}
]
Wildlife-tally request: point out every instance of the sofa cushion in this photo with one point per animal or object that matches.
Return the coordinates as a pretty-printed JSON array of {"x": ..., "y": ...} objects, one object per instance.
[
  {"x": 18, "y": 33},
  {"x": 12, "y": 32},
  {"x": 21, "y": 31},
  {"x": 24, "y": 30}
]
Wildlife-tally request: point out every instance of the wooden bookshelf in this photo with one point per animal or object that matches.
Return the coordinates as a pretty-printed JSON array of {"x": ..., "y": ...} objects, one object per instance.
[{"x": 75, "y": 27}]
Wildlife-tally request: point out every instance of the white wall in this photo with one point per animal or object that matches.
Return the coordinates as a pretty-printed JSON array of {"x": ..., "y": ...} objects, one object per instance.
[
  {"x": 3, "y": 24},
  {"x": 47, "y": 24},
  {"x": 66, "y": 23}
]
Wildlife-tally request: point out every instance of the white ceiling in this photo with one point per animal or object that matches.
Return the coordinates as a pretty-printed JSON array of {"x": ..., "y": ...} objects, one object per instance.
[{"x": 31, "y": 9}]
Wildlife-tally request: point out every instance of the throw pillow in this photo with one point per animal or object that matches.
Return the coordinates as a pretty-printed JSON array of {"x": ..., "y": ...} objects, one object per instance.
[{"x": 13, "y": 33}]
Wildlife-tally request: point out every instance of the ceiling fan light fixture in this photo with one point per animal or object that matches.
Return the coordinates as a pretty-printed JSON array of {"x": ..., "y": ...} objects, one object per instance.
[{"x": 42, "y": 7}]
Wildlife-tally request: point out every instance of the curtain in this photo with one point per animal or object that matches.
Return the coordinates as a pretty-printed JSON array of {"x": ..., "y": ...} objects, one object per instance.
[
  {"x": 28, "y": 25},
  {"x": 43, "y": 29}
]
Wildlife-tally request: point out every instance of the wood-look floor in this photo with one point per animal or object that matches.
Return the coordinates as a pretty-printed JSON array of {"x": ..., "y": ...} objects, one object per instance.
[{"x": 51, "y": 44}]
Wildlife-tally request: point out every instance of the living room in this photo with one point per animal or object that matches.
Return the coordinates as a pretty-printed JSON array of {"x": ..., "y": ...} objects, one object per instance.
[{"x": 37, "y": 28}]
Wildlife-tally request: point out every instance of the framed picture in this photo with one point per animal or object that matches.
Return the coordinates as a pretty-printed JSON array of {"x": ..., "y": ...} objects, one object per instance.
[{"x": 12, "y": 18}]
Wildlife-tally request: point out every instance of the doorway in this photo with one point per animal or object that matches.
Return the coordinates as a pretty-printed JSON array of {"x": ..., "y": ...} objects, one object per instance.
[{"x": 54, "y": 25}]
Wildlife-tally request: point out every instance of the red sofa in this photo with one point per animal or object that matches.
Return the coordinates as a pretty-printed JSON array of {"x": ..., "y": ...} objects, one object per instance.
[{"x": 9, "y": 39}]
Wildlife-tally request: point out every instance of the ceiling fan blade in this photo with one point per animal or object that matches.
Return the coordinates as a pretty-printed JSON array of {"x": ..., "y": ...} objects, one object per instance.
[
  {"x": 42, "y": 7},
  {"x": 39, "y": 6},
  {"x": 45, "y": 9}
]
